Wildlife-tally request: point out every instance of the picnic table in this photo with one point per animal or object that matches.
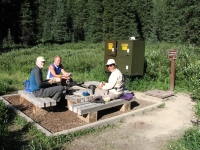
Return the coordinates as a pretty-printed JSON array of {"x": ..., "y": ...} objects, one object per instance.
[{"x": 88, "y": 111}]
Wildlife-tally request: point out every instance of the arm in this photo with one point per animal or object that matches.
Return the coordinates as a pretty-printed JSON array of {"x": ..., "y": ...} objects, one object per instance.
[
  {"x": 53, "y": 72},
  {"x": 111, "y": 82},
  {"x": 38, "y": 78},
  {"x": 65, "y": 73}
]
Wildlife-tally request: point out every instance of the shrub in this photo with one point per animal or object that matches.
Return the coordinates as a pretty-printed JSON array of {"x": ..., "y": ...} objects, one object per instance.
[{"x": 4, "y": 118}]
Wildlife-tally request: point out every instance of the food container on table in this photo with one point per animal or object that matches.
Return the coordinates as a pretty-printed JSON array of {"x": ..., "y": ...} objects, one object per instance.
[
  {"x": 106, "y": 98},
  {"x": 86, "y": 94}
]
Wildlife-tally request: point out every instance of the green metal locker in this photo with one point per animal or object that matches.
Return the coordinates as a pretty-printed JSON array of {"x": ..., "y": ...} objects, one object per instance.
[
  {"x": 111, "y": 48},
  {"x": 130, "y": 57}
]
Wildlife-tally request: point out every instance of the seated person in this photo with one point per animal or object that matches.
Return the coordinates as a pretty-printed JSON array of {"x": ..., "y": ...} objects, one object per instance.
[
  {"x": 56, "y": 68},
  {"x": 42, "y": 88},
  {"x": 114, "y": 87}
]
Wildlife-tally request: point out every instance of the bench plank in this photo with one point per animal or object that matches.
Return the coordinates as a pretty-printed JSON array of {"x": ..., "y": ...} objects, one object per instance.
[
  {"x": 94, "y": 107},
  {"x": 78, "y": 98},
  {"x": 53, "y": 102},
  {"x": 88, "y": 111},
  {"x": 85, "y": 106},
  {"x": 37, "y": 101},
  {"x": 71, "y": 107},
  {"x": 31, "y": 98}
]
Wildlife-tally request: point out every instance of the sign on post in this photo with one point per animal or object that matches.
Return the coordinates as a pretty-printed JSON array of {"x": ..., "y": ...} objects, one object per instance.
[{"x": 173, "y": 54}]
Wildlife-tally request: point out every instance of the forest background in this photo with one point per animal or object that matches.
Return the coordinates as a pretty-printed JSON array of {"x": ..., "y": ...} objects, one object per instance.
[
  {"x": 27, "y": 22},
  {"x": 76, "y": 30}
]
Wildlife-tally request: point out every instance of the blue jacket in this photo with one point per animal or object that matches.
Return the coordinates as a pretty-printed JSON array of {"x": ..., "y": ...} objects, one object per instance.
[{"x": 36, "y": 80}]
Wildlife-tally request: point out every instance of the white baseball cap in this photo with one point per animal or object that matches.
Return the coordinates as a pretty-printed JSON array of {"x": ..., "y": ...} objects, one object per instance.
[
  {"x": 40, "y": 58},
  {"x": 110, "y": 61}
]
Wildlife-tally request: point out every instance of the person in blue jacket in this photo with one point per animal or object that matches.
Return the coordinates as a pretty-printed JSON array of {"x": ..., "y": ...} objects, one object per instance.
[{"x": 42, "y": 88}]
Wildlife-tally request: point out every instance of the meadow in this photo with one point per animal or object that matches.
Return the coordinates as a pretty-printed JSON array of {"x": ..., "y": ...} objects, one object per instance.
[{"x": 86, "y": 62}]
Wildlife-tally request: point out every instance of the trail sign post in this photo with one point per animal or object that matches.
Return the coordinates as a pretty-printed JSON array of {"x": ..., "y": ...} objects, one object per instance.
[{"x": 172, "y": 54}]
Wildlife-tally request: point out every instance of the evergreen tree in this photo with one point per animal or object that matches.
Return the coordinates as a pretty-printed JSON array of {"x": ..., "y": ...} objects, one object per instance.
[
  {"x": 94, "y": 32},
  {"x": 27, "y": 21},
  {"x": 125, "y": 24},
  {"x": 1, "y": 26},
  {"x": 40, "y": 19},
  {"x": 8, "y": 41},
  {"x": 158, "y": 18},
  {"x": 48, "y": 19},
  {"x": 108, "y": 19},
  {"x": 69, "y": 6},
  {"x": 59, "y": 24},
  {"x": 190, "y": 21},
  {"x": 79, "y": 17},
  {"x": 172, "y": 28},
  {"x": 145, "y": 19},
  {"x": 10, "y": 18}
]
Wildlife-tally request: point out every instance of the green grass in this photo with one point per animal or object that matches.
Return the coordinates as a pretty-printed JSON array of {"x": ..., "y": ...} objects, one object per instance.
[
  {"x": 23, "y": 135},
  {"x": 197, "y": 109},
  {"x": 86, "y": 61},
  {"x": 190, "y": 141},
  {"x": 161, "y": 106}
]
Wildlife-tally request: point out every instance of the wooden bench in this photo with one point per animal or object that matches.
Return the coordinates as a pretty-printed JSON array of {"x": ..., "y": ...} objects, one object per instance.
[
  {"x": 77, "y": 96},
  {"x": 40, "y": 105},
  {"x": 88, "y": 111},
  {"x": 74, "y": 99}
]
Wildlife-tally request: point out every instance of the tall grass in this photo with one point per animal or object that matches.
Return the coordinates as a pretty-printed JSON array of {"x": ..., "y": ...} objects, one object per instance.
[
  {"x": 86, "y": 61},
  {"x": 81, "y": 59},
  {"x": 190, "y": 141}
]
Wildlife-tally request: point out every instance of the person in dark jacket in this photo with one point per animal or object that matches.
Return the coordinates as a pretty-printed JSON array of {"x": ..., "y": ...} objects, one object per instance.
[{"x": 42, "y": 88}]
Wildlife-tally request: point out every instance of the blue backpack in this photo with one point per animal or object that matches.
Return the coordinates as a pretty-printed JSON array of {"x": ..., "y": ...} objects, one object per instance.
[{"x": 27, "y": 86}]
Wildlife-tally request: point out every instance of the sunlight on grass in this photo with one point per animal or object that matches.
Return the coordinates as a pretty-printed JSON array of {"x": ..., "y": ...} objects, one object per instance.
[{"x": 86, "y": 62}]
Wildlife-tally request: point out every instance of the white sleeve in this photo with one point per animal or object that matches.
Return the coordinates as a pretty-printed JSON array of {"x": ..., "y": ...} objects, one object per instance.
[{"x": 111, "y": 82}]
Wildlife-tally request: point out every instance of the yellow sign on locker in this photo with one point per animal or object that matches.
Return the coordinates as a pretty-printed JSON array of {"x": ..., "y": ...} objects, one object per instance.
[
  {"x": 110, "y": 46},
  {"x": 124, "y": 46}
]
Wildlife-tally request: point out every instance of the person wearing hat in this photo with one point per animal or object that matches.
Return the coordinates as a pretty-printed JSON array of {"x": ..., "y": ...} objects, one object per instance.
[
  {"x": 56, "y": 68},
  {"x": 114, "y": 87},
  {"x": 42, "y": 88}
]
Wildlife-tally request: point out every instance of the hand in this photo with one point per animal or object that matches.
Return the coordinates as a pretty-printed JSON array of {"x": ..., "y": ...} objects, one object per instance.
[
  {"x": 103, "y": 82},
  {"x": 68, "y": 74},
  {"x": 50, "y": 81},
  {"x": 100, "y": 87}
]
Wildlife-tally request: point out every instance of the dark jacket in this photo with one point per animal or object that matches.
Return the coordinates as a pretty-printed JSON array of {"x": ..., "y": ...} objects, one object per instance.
[{"x": 36, "y": 79}]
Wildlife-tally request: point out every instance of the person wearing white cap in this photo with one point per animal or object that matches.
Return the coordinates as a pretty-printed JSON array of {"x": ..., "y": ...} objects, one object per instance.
[
  {"x": 42, "y": 88},
  {"x": 114, "y": 87}
]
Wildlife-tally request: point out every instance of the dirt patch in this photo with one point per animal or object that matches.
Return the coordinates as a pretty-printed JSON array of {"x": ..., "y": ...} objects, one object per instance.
[
  {"x": 149, "y": 131},
  {"x": 62, "y": 118}
]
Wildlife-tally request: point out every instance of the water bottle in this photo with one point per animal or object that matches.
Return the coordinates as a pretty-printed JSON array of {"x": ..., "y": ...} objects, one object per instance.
[{"x": 27, "y": 85}]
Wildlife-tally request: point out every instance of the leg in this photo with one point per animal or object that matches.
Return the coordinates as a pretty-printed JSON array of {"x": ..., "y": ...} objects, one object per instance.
[
  {"x": 54, "y": 92},
  {"x": 113, "y": 96},
  {"x": 99, "y": 92}
]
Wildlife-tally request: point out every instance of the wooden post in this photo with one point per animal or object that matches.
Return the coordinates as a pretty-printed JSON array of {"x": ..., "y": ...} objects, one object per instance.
[
  {"x": 172, "y": 55},
  {"x": 172, "y": 78}
]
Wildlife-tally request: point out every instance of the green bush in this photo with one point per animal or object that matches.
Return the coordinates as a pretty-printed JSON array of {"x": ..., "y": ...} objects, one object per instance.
[
  {"x": 86, "y": 61},
  {"x": 189, "y": 141},
  {"x": 4, "y": 119}
]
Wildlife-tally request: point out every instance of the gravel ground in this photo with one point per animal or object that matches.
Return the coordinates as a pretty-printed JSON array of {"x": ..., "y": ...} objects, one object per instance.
[{"x": 62, "y": 118}]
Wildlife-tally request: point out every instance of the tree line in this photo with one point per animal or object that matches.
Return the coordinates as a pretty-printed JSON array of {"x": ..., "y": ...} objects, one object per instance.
[{"x": 27, "y": 22}]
